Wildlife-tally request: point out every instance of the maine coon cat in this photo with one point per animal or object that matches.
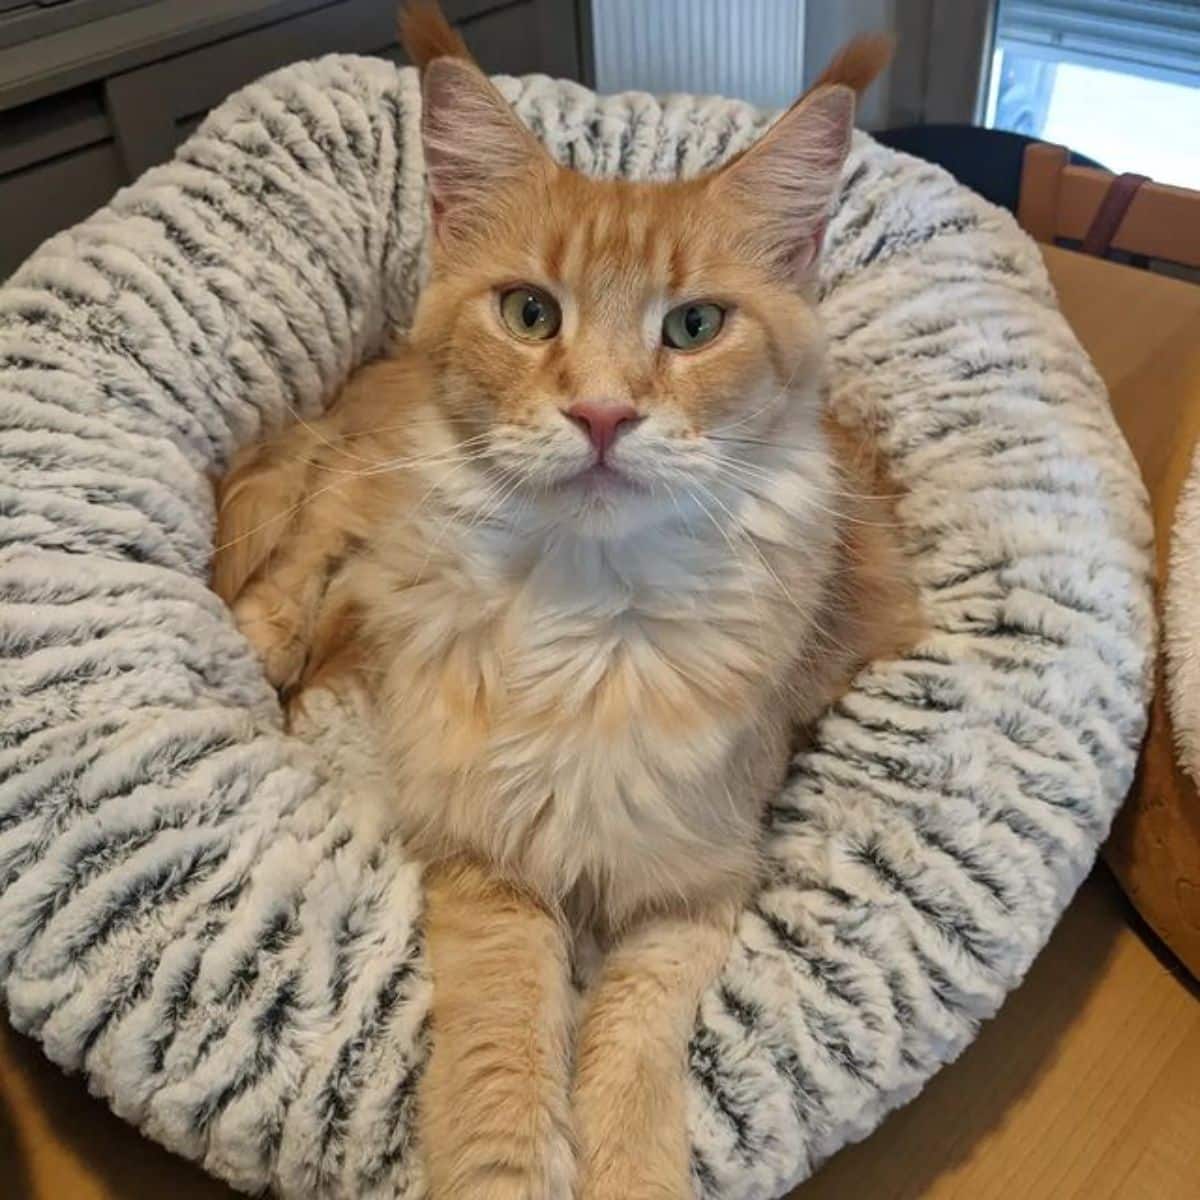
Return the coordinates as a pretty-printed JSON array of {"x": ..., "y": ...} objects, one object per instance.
[{"x": 599, "y": 555}]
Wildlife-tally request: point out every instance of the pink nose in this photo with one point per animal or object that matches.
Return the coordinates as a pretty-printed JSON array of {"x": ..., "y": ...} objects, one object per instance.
[{"x": 603, "y": 423}]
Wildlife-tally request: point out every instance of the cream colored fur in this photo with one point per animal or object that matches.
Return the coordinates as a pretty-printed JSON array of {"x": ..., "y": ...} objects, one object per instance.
[
  {"x": 599, "y": 719},
  {"x": 590, "y": 666}
]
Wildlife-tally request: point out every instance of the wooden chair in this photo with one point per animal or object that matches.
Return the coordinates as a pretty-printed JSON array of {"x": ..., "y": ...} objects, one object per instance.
[
  {"x": 988, "y": 161},
  {"x": 1147, "y": 219}
]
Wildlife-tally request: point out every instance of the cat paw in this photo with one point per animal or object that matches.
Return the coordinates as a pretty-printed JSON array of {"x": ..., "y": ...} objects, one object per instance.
[
  {"x": 631, "y": 1147},
  {"x": 628, "y": 1182},
  {"x": 556, "y": 1182},
  {"x": 548, "y": 1172},
  {"x": 273, "y": 625}
]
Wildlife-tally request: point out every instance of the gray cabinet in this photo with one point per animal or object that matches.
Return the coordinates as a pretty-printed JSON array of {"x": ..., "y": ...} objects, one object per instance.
[{"x": 92, "y": 92}]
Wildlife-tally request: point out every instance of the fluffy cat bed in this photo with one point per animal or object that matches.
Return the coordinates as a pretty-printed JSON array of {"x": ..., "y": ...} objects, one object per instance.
[
  {"x": 1155, "y": 848},
  {"x": 1181, "y": 633},
  {"x": 211, "y": 920}
]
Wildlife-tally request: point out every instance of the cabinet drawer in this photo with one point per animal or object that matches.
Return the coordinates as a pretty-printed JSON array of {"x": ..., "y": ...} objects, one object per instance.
[
  {"x": 155, "y": 106},
  {"x": 40, "y": 201},
  {"x": 63, "y": 156},
  {"x": 150, "y": 106}
]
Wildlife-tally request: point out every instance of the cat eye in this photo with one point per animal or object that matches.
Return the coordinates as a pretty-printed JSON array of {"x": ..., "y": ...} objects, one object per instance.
[
  {"x": 530, "y": 313},
  {"x": 693, "y": 325}
]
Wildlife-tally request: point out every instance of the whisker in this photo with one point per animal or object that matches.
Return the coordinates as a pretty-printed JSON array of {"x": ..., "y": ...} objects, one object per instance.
[
  {"x": 755, "y": 547},
  {"x": 675, "y": 501},
  {"x": 852, "y": 520},
  {"x": 389, "y": 466},
  {"x": 317, "y": 433},
  {"x": 739, "y": 474},
  {"x": 774, "y": 445},
  {"x": 747, "y": 469},
  {"x": 759, "y": 622},
  {"x": 277, "y": 517},
  {"x": 779, "y": 394},
  {"x": 429, "y": 460}
]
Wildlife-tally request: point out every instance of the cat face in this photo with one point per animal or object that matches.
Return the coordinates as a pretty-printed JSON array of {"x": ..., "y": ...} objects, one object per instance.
[{"x": 609, "y": 350}]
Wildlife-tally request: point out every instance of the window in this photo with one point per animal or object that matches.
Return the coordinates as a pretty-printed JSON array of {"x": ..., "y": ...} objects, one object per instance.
[{"x": 1116, "y": 80}]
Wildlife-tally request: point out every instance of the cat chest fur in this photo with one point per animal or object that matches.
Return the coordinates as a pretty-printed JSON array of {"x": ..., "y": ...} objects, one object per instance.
[{"x": 586, "y": 715}]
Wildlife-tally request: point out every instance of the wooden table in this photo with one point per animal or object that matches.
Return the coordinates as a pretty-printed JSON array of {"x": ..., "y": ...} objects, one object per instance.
[{"x": 1086, "y": 1087}]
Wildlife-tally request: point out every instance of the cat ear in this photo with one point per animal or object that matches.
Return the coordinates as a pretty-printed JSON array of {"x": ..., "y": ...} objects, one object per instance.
[
  {"x": 473, "y": 141},
  {"x": 785, "y": 183}
]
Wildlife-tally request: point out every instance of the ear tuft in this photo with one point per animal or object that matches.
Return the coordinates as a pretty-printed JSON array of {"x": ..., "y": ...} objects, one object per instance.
[
  {"x": 859, "y": 62},
  {"x": 426, "y": 34},
  {"x": 785, "y": 183}
]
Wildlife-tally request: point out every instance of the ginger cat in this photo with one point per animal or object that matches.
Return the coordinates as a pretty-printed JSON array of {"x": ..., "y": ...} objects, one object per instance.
[{"x": 599, "y": 556}]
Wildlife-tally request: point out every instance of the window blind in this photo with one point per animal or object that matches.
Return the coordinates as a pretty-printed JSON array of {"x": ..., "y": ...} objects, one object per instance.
[{"x": 1155, "y": 38}]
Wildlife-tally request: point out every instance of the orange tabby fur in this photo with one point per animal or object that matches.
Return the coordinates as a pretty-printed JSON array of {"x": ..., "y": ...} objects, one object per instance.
[{"x": 589, "y": 683}]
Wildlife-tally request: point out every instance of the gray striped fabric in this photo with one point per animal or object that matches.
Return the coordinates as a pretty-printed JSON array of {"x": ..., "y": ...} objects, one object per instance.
[{"x": 213, "y": 921}]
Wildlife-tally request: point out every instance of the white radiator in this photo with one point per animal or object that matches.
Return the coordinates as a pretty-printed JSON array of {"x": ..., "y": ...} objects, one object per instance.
[{"x": 748, "y": 48}]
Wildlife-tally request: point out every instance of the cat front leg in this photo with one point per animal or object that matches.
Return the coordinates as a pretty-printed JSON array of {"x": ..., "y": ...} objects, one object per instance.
[
  {"x": 631, "y": 1067},
  {"x": 494, "y": 1103},
  {"x": 294, "y": 510}
]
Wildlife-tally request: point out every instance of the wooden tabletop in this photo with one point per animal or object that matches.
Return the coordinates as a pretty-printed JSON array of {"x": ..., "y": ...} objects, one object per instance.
[
  {"x": 1087, "y": 1085},
  {"x": 1143, "y": 333}
]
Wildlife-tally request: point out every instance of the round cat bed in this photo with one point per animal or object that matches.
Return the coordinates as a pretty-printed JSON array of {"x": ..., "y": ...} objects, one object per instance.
[
  {"x": 1155, "y": 847},
  {"x": 1181, "y": 633},
  {"x": 213, "y": 921}
]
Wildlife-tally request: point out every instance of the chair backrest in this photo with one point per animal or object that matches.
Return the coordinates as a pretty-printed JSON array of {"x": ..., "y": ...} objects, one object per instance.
[
  {"x": 988, "y": 161},
  {"x": 1060, "y": 200}
]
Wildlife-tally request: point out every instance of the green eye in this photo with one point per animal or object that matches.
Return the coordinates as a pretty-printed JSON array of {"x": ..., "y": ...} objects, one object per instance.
[
  {"x": 530, "y": 313},
  {"x": 691, "y": 326}
]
